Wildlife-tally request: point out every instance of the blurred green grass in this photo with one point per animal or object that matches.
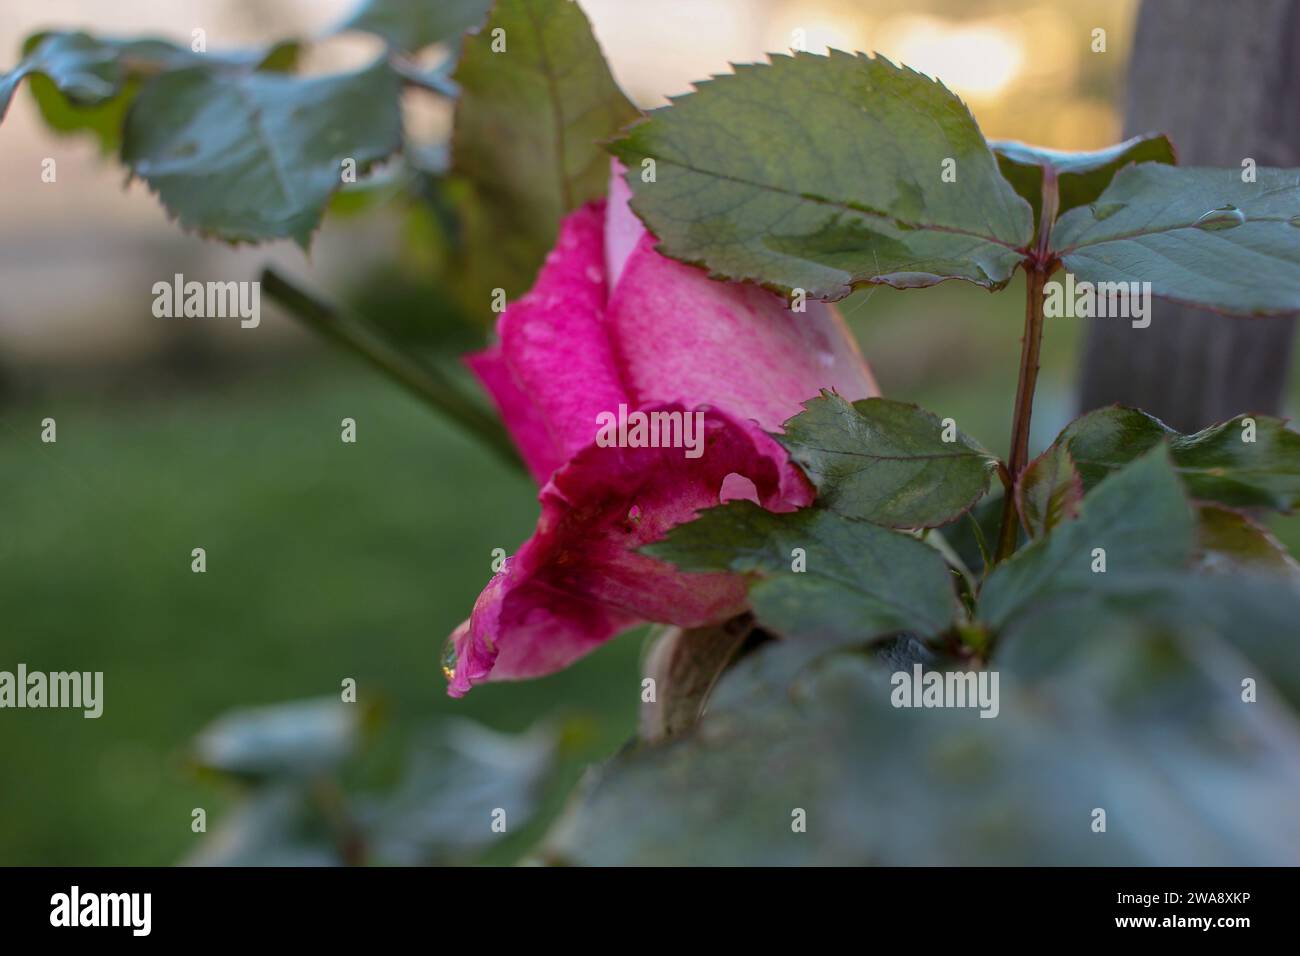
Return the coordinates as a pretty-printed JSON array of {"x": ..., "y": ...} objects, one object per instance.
[
  {"x": 324, "y": 561},
  {"x": 327, "y": 561}
]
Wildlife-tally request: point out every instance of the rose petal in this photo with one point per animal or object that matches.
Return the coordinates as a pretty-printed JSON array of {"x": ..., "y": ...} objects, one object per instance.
[
  {"x": 579, "y": 579},
  {"x": 523, "y": 418},
  {"x": 623, "y": 230},
  {"x": 682, "y": 337},
  {"x": 546, "y": 630},
  {"x": 554, "y": 343}
]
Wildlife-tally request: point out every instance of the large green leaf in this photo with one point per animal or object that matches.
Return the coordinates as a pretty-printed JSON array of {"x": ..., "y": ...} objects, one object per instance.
[
  {"x": 1080, "y": 176},
  {"x": 458, "y": 775},
  {"x": 1097, "y": 710},
  {"x": 860, "y": 580},
  {"x": 1215, "y": 464},
  {"x": 887, "y": 461},
  {"x": 256, "y": 156},
  {"x": 414, "y": 24},
  {"x": 85, "y": 83},
  {"x": 1199, "y": 236},
  {"x": 1048, "y": 491},
  {"x": 825, "y": 173},
  {"x": 1139, "y": 517},
  {"x": 1247, "y": 621},
  {"x": 527, "y": 128}
]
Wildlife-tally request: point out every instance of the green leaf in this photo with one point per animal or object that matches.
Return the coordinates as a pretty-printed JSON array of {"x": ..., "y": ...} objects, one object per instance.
[
  {"x": 458, "y": 775},
  {"x": 278, "y": 825},
  {"x": 1252, "y": 615},
  {"x": 298, "y": 739},
  {"x": 886, "y": 461},
  {"x": 435, "y": 79},
  {"x": 84, "y": 83},
  {"x": 411, "y": 25},
  {"x": 1081, "y": 177},
  {"x": 1138, "y": 516},
  {"x": 1096, "y": 709},
  {"x": 81, "y": 68},
  {"x": 825, "y": 173},
  {"x": 252, "y": 157},
  {"x": 1048, "y": 491},
  {"x": 975, "y": 536},
  {"x": 1228, "y": 540},
  {"x": 1215, "y": 464},
  {"x": 861, "y": 581},
  {"x": 1199, "y": 236},
  {"x": 526, "y": 134}
]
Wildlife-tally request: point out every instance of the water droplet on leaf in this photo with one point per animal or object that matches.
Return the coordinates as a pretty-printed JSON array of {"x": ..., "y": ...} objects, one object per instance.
[{"x": 1225, "y": 217}]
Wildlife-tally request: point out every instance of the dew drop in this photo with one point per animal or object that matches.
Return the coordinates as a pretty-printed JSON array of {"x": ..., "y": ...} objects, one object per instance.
[
  {"x": 449, "y": 659},
  {"x": 1295, "y": 221},
  {"x": 593, "y": 274},
  {"x": 1104, "y": 210},
  {"x": 1225, "y": 217}
]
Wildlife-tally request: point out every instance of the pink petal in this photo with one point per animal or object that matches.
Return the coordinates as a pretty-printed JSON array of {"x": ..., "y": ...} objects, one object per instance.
[
  {"x": 522, "y": 418},
  {"x": 623, "y": 230},
  {"x": 555, "y": 346},
  {"x": 682, "y": 337},
  {"x": 579, "y": 579},
  {"x": 546, "y": 631}
]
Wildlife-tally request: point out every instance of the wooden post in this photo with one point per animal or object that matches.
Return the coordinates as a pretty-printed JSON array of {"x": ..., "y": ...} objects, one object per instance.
[{"x": 1223, "y": 80}]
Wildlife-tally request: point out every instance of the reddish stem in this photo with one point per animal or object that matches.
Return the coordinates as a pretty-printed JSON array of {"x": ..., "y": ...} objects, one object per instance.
[{"x": 1038, "y": 267}]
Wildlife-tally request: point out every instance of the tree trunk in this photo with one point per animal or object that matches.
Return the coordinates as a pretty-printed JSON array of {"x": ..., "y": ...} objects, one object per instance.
[{"x": 1223, "y": 80}]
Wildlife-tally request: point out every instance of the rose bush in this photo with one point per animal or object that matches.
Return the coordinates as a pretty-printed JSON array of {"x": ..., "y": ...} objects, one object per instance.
[{"x": 611, "y": 322}]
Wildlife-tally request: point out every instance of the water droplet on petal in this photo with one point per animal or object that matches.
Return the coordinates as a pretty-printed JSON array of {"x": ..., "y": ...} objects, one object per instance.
[
  {"x": 449, "y": 658},
  {"x": 1104, "y": 210},
  {"x": 594, "y": 275},
  {"x": 1225, "y": 217},
  {"x": 634, "y": 514}
]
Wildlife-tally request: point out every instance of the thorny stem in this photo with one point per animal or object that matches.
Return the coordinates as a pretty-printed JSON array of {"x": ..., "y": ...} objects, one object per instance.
[{"x": 1037, "y": 268}]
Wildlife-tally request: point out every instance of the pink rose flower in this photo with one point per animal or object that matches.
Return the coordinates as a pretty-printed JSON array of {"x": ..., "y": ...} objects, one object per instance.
[{"x": 611, "y": 322}]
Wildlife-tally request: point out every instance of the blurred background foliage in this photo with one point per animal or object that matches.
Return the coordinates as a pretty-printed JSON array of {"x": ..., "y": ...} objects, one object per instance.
[{"x": 329, "y": 561}]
